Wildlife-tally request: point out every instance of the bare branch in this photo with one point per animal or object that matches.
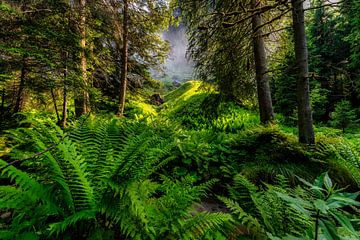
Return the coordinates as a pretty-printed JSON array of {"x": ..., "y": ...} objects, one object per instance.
[
  {"x": 275, "y": 31},
  {"x": 37, "y": 10}
]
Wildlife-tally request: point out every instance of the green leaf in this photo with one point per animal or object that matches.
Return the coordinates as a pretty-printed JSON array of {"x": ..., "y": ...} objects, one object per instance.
[
  {"x": 327, "y": 181},
  {"x": 338, "y": 200},
  {"x": 319, "y": 181},
  {"x": 321, "y": 205},
  {"x": 344, "y": 222},
  {"x": 314, "y": 187},
  {"x": 297, "y": 203},
  {"x": 328, "y": 230}
]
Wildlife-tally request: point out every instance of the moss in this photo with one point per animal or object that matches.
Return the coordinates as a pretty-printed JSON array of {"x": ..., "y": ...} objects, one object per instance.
[
  {"x": 139, "y": 109},
  {"x": 183, "y": 92},
  {"x": 196, "y": 108}
]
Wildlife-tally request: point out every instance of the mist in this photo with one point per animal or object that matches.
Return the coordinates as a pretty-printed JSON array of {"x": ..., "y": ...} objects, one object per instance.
[{"x": 177, "y": 67}]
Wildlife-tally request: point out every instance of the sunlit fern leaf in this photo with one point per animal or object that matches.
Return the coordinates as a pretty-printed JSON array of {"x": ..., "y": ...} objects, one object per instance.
[
  {"x": 27, "y": 183},
  {"x": 50, "y": 161},
  {"x": 76, "y": 177},
  {"x": 139, "y": 194},
  {"x": 103, "y": 171}
]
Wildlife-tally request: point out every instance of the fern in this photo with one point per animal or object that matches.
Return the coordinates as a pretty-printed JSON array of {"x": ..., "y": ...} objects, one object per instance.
[
  {"x": 349, "y": 156},
  {"x": 103, "y": 176},
  {"x": 251, "y": 223},
  {"x": 200, "y": 224},
  {"x": 262, "y": 211},
  {"x": 60, "y": 227}
]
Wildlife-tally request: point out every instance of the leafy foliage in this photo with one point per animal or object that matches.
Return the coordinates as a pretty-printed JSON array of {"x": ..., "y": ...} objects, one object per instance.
[
  {"x": 279, "y": 211},
  {"x": 345, "y": 159},
  {"x": 326, "y": 206},
  {"x": 261, "y": 211},
  {"x": 101, "y": 178},
  {"x": 195, "y": 108}
]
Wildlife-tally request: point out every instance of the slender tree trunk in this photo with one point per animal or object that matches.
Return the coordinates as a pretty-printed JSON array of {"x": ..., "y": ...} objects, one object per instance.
[
  {"x": 2, "y": 104},
  {"x": 20, "y": 94},
  {"x": 92, "y": 60},
  {"x": 118, "y": 46},
  {"x": 124, "y": 66},
  {"x": 262, "y": 78},
  {"x": 65, "y": 103},
  {"x": 55, "y": 106},
  {"x": 82, "y": 102},
  {"x": 305, "y": 120},
  {"x": 65, "y": 107}
]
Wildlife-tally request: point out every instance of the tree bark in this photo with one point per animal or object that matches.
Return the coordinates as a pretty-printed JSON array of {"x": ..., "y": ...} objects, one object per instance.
[
  {"x": 124, "y": 66},
  {"x": 64, "y": 109},
  {"x": 65, "y": 103},
  {"x": 2, "y": 104},
  {"x": 305, "y": 120},
  {"x": 20, "y": 95},
  {"x": 82, "y": 102},
  {"x": 262, "y": 78},
  {"x": 55, "y": 106}
]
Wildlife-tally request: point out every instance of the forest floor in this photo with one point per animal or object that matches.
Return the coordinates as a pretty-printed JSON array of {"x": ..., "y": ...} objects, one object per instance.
[
  {"x": 222, "y": 136},
  {"x": 195, "y": 151}
]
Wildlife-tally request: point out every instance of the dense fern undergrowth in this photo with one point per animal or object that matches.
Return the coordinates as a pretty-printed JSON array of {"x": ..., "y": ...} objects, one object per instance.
[{"x": 196, "y": 167}]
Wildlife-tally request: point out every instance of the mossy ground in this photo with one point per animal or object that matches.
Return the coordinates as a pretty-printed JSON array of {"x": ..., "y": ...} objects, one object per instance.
[{"x": 218, "y": 138}]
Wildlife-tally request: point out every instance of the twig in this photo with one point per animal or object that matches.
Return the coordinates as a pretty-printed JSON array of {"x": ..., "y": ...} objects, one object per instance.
[
  {"x": 275, "y": 31},
  {"x": 272, "y": 20},
  {"x": 37, "y": 10}
]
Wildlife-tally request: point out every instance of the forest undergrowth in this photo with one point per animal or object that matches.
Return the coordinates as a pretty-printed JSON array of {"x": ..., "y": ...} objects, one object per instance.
[{"x": 195, "y": 167}]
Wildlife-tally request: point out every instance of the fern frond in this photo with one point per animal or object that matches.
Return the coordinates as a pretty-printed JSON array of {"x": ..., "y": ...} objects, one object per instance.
[
  {"x": 76, "y": 177},
  {"x": 26, "y": 183},
  {"x": 60, "y": 227},
  {"x": 250, "y": 222},
  {"x": 12, "y": 198},
  {"x": 348, "y": 155},
  {"x": 201, "y": 223},
  {"x": 139, "y": 194}
]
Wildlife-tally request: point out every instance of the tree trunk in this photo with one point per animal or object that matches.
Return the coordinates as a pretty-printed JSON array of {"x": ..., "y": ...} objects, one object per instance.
[
  {"x": 262, "y": 78},
  {"x": 20, "y": 95},
  {"x": 65, "y": 106},
  {"x": 65, "y": 103},
  {"x": 2, "y": 116},
  {"x": 55, "y": 106},
  {"x": 124, "y": 66},
  {"x": 64, "y": 110},
  {"x": 305, "y": 120},
  {"x": 82, "y": 102}
]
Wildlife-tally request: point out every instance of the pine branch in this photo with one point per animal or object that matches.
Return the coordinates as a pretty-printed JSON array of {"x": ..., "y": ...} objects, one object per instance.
[{"x": 255, "y": 12}]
